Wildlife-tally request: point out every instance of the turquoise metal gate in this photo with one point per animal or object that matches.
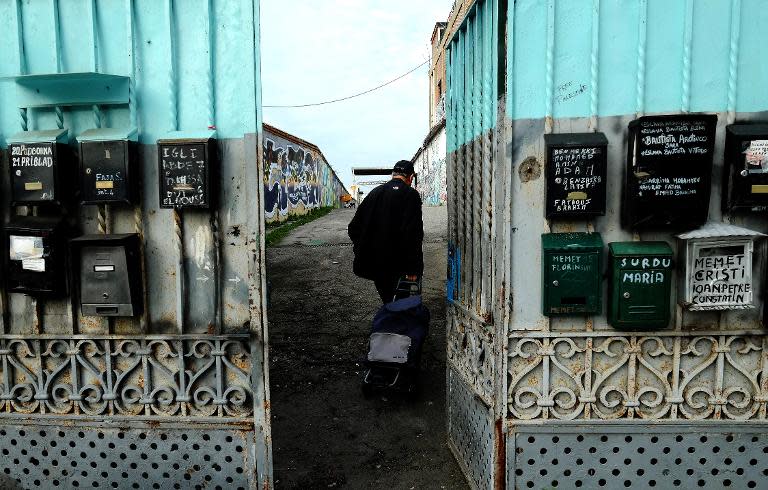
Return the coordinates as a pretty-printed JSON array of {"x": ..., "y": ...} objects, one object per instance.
[{"x": 175, "y": 396}]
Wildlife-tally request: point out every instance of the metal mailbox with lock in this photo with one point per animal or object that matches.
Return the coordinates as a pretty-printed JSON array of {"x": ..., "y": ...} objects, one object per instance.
[
  {"x": 745, "y": 173},
  {"x": 38, "y": 164},
  {"x": 108, "y": 166},
  {"x": 669, "y": 171},
  {"x": 107, "y": 270},
  {"x": 718, "y": 267},
  {"x": 576, "y": 174},
  {"x": 37, "y": 255},
  {"x": 640, "y": 283},
  {"x": 572, "y": 273},
  {"x": 187, "y": 168}
]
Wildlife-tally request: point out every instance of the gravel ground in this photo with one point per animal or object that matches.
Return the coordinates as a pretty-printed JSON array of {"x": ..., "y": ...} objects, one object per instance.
[{"x": 324, "y": 433}]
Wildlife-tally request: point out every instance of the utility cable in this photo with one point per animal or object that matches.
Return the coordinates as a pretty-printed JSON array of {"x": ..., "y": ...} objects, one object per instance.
[{"x": 352, "y": 96}]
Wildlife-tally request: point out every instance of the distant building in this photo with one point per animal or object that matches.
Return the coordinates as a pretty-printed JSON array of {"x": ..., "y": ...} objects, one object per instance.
[
  {"x": 297, "y": 177},
  {"x": 429, "y": 160}
]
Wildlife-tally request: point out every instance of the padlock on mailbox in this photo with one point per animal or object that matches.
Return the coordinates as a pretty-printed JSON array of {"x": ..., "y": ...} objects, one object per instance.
[
  {"x": 108, "y": 166},
  {"x": 187, "y": 170},
  {"x": 107, "y": 270},
  {"x": 39, "y": 164},
  {"x": 745, "y": 173},
  {"x": 37, "y": 248},
  {"x": 639, "y": 287},
  {"x": 572, "y": 273},
  {"x": 718, "y": 260}
]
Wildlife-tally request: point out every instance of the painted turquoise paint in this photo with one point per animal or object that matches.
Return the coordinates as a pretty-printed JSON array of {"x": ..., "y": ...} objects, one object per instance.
[
  {"x": 617, "y": 64},
  {"x": 572, "y": 74},
  {"x": 619, "y": 52},
  {"x": 664, "y": 62},
  {"x": 529, "y": 67},
  {"x": 710, "y": 54},
  {"x": 752, "y": 91},
  {"x": 472, "y": 68},
  {"x": 237, "y": 90}
]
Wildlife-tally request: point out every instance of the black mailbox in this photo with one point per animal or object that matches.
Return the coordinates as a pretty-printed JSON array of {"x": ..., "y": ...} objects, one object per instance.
[
  {"x": 745, "y": 173},
  {"x": 669, "y": 171},
  {"x": 36, "y": 255},
  {"x": 575, "y": 172},
  {"x": 39, "y": 167},
  {"x": 108, "y": 274},
  {"x": 107, "y": 166},
  {"x": 186, "y": 170}
]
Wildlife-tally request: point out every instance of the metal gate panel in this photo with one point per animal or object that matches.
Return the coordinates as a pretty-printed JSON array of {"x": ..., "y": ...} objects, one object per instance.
[
  {"x": 660, "y": 456},
  {"x": 38, "y": 455},
  {"x": 163, "y": 399},
  {"x": 470, "y": 432}
]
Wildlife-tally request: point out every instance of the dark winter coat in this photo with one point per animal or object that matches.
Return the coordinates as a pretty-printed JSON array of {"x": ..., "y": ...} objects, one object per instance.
[{"x": 387, "y": 232}]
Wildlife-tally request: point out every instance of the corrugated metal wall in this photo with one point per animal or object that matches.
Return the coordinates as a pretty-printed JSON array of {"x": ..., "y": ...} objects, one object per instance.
[
  {"x": 197, "y": 355},
  {"x": 583, "y": 66}
]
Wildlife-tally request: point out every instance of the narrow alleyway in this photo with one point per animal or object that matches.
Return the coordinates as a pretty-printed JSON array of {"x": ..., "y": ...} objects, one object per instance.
[{"x": 325, "y": 434}]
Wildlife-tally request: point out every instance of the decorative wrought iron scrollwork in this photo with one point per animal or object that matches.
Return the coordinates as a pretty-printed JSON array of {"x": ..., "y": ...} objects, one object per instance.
[
  {"x": 108, "y": 376},
  {"x": 470, "y": 352},
  {"x": 610, "y": 377}
]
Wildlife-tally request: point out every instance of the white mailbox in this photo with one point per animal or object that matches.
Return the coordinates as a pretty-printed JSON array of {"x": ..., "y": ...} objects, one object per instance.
[{"x": 718, "y": 267}]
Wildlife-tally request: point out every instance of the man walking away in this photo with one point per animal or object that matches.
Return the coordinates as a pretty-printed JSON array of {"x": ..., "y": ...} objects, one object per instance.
[{"x": 387, "y": 232}]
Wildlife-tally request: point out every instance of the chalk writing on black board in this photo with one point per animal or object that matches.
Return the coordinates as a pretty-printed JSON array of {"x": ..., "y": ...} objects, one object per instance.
[
  {"x": 674, "y": 138},
  {"x": 183, "y": 175},
  {"x": 32, "y": 155},
  {"x": 575, "y": 176}
]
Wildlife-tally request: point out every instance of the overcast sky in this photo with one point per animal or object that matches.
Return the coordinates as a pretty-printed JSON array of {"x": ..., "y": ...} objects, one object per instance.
[{"x": 314, "y": 50}]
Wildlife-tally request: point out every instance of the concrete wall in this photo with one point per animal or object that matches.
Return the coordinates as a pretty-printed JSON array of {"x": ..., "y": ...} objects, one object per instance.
[
  {"x": 297, "y": 177},
  {"x": 429, "y": 164}
]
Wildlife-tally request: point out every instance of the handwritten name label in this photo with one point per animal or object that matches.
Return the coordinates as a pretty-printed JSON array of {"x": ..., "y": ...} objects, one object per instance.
[
  {"x": 576, "y": 180},
  {"x": 31, "y": 155},
  {"x": 645, "y": 270},
  {"x": 183, "y": 175},
  {"x": 721, "y": 280}
]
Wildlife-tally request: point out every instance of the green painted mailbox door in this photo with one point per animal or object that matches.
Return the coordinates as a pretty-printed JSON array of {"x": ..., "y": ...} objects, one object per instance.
[
  {"x": 640, "y": 285},
  {"x": 572, "y": 273}
]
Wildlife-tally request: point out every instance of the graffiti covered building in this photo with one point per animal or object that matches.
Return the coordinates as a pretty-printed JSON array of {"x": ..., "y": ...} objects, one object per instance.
[{"x": 297, "y": 177}]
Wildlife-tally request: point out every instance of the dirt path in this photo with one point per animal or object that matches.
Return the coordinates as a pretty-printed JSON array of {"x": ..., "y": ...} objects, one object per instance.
[{"x": 325, "y": 434}]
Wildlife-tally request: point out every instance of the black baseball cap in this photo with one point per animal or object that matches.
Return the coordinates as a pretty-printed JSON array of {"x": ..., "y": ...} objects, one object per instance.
[{"x": 404, "y": 167}]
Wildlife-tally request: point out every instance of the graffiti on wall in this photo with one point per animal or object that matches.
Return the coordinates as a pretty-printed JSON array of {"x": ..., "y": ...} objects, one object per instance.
[
  {"x": 296, "y": 180},
  {"x": 430, "y": 168}
]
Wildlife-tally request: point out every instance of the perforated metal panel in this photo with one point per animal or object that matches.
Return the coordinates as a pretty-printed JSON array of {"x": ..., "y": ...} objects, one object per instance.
[
  {"x": 639, "y": 456},
  {"x": 40, "y": 456},
  {"x": 470, "y": 432}
]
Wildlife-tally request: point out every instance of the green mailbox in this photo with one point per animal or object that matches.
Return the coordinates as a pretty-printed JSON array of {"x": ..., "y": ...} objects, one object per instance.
[
  {"x": 640, "y": 282},
  {"x": 573, "y": 267}
]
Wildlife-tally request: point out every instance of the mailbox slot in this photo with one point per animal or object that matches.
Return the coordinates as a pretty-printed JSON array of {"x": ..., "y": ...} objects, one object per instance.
[
  {"x": 108, "y": 274},
  {"x": 187, "y": 170},
  {"x": 745, "y": 173},
  {"x": 36, "y": 256},
  {"x": 640, "y": 285},
  {"x": 669, "y": 171},
  {"x": 718, "y": 261},
  {"x": 107, "y": 166},
  {"x": 576, "y": 175},
  {"x": 572, "y": 272},
  {"x": 38, "y": 165}
]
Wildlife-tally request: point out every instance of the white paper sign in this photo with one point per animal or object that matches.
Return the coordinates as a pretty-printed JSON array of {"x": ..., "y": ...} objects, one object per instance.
[{"x": 35, "y": 265}]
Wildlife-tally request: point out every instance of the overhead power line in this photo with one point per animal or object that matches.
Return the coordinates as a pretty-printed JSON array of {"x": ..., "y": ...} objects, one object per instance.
[{"x": 325, "y": 102}]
